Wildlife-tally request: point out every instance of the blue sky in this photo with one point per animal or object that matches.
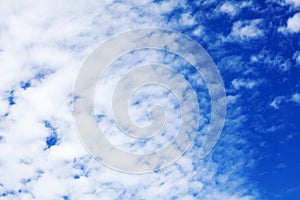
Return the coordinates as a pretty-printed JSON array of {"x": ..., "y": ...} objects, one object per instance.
[{"x": 254, "y": 44}]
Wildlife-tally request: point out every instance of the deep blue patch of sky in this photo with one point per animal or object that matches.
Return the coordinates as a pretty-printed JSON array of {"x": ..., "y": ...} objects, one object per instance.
[
  {"x": 277, "y": 169},
  {"x": 52, "y": 139}
]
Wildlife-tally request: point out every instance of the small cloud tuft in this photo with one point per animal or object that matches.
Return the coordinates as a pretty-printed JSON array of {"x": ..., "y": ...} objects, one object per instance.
[
  {"x": 242, "y": 83},
  {"x": 247, "y": 29},
  {"x": 296, "y": 98},
  {"x": 228, "y": 8}
]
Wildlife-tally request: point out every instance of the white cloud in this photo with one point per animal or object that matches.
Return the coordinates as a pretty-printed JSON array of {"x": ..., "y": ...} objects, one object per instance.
[
  {"x": 296, "y": 56},
  {"x": 296, "y": 98},
  {"x": 247, "y": 29},
  {"x": 233, "y": 8},
  {"x": 187, "y": 19},
  {"x": 228, "y": 8},
  {"x": 298, "y": 59},
  {"x": 295, "y": 3},
  {"x": 198, "y": 31},
  {"x": 293, "y": 24},
  {"x": 242, "y": 83},
  {"x": 274, "y": 61},
  {"x": 277, "y": 101}
]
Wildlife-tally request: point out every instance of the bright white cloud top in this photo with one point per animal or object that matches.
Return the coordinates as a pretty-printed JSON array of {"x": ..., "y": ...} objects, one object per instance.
[{"x": 293, "y": 24}]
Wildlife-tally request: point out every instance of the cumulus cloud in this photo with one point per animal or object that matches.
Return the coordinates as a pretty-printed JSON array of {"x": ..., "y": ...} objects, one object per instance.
[
  {"x": 247, "y": 29},
  {"x": 228, "y": 8},
  {"x": 293, "y": 25}
]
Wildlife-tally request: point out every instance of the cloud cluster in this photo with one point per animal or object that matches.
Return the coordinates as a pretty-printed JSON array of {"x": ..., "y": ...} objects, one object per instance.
[
  {"x": 42, "y": 46},
  {"x": 247, "y": 29},
  {"x": 240, "y": 83},
  {"x": 279, "y": 100},
  {"x": 228, "y": 8},
  {"x": 293, "y": 24}
]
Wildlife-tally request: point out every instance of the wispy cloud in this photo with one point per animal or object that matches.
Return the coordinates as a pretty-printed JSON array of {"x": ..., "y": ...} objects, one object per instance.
[
  {"x": 279, "y": 100},
  {"x": 243, "y": 83}
]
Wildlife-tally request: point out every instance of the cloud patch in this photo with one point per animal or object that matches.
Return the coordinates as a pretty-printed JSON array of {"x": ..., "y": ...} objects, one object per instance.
[
  {"x": 296, "y": 98},
  {"x": 295, "y": 3},
  {"x": 293, "y": 24},
  {"x": 243, "y": 83},
  {"x": 246, "y": 29},
  {"x": 279, "y": 100},
  {"x": 228, "y": 8}
]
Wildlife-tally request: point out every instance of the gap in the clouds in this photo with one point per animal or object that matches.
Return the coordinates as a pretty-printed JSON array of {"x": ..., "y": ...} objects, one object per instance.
[
  {"x": 25, "y": 181},
  {"x": 66, "y": 197},
  {"x": 80, "y": 168},
  {"x": 273, "y": 151},
  {"x": 11, "y": 98},
  {"x": 72, "y": 98},
  {"x": 277, "y": 136},
  {"x": 76, "y": 176},
  {"x": 174, "y": 14},
  {"x": 42, "y": 73},
  {"x": 52, "y": 139},
  {"x": 25, "y": 84},
  {"x": 5, "y": 115},
  {"x": 8, "y": 193},
  {"x": 100, "y": 117},
  {"x": 157, "y": 1}
]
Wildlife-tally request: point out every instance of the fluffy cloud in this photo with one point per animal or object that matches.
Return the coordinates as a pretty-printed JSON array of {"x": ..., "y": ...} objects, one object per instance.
[
  {"x": 228, "y": 8},
  {"x": 247, "y": 29},
  {"x": 198, "y": 31},
  {"x": 293, "y": 24}
]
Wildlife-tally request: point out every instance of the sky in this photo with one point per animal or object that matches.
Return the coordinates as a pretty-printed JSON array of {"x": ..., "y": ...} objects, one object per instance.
[{"x": 255, "y": 46}]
